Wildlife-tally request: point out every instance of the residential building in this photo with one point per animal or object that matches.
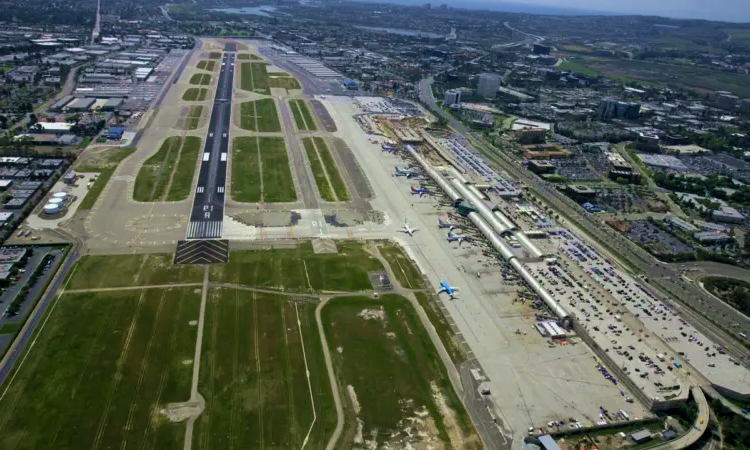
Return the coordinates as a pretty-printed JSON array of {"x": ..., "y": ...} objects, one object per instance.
[
  {"x": 488, "y": 85},
  {"x": 725, "y": 100}
]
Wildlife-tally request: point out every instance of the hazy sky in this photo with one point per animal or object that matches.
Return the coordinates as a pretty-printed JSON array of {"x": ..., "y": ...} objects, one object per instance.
[{"x": 730, "y": 10}]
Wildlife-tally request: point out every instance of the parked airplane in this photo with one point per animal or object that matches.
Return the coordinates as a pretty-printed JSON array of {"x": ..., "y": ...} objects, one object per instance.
[
  {"x": 406, "y": 172},
  {"x": 450, "y": 225},
  {"x": 456, "y": 237},
  {"x": 407, "y": 229},
  {"x": 389, "y": 148},
  {"x": 448, "y": 289},
  {"x": 420, "y": 190}
]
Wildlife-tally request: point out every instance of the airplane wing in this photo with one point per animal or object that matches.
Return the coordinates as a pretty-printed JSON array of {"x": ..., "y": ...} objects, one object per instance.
[{"x": 441, "y": 290}]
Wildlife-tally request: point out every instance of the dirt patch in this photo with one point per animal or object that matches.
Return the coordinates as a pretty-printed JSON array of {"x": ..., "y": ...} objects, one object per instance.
[
  {"x": 353, "y": 398},
  {"x": 177, "y": 412},
  {"x": 193, "y": 323},
  {"x": 372, "y": 314}
]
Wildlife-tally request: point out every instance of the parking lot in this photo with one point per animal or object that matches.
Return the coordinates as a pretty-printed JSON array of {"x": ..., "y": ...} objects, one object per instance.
[
  {"x": 618, "y": 294},
  {"x": 648, "y": 235}
]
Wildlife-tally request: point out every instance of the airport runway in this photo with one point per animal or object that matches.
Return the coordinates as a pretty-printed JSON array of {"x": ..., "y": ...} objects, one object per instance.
[{"x": 207, "y": 215}]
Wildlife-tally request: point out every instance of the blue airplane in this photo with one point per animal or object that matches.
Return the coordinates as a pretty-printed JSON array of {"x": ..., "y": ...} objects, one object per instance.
[
  {"x": 450, "y": 225},
  {"x": 446, "y": 288},
  {"x": 420, "y": 190},
  {"x": 406, "y": 172},
  {"x": 456, "y": 238}
]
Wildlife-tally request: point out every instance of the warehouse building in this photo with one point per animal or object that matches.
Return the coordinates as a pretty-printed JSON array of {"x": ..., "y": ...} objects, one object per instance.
[
  {"x": 81, "y": 104},
  {"x": 60, "y": 104}
]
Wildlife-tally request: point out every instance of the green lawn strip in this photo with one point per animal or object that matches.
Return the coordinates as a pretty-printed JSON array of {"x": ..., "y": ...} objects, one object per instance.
[
  {"x": 443, "y": 328},
  {"x": 183, "y": 177},
  {"x": 207, "y": 65},
  {"x": 11, "y": 327},
  {"x": 249, "y": 56},
  {"x": 195, "y": 94},
  {"x": 200, "y": 78},
  {"x": 268, "y": 118},
  {"x": 278, "y": 184},
  {"x": 253, "y": 77},
  {"x": 116, "y": 358},
  {"x": 297, "y": 115},
  {"x": 253, "y": 374},
  {"x": 247, "y": 115},
  {"x": 246, "y": 183},
  {"x": 105, "y": 173},
  {"x": 332, "y": 169},
  {"x": 387, "y": 361},
  {"x": 193, "y": 117},
  {"x": 108, "y": 271},
  {"x": 283, "y": 82},
  {"x": 324, "y": 188},
  {"x": 299, "y": 269},
  {"x": 154, "y": 175},
  {"x": 405, "y": 271},
  {"x": 215, "y": 55},
  {"x": 305, "y": 111}
]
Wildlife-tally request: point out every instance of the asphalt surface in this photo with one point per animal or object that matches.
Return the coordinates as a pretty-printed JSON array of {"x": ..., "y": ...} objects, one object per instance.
[
  {"x": 207, "y": 216},
  {"x": 703, "y": 311},
  {"x": 36, "y": 316},
  {"x": 12, "y": 291}
]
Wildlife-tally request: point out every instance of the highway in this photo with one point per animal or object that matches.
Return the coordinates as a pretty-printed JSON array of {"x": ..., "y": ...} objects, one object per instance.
[
  {"x": 207, "y": 215},
  {"x": 707, "y": 314}
]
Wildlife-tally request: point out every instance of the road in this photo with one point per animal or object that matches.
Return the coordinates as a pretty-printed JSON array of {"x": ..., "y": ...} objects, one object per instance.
[
  {"x": 207, "y": 216},
  {"x": 707, "y": 314},
  {"x": 97, "y": 23},
  {"x": 6, "y": 364}
]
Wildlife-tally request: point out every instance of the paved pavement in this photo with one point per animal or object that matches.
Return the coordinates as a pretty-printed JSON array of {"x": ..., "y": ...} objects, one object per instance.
[
  {"x": 34, "y": 262},
  {"x": 6, "y": 364},
  {"x": 661, "y": 276},
  {"x": 207, "y": 216}
]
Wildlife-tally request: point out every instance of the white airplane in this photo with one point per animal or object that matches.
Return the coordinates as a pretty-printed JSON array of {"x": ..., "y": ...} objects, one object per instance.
[
  {"x": 450, "y": 225},
  {"x": 407, "y": 229}
]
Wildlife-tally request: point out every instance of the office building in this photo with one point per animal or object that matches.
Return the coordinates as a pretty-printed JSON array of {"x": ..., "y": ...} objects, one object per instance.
[
  {"x": 452, "y": 97},
  {"x": 725, "y": 100},
  {"x": 610, "y": 108},
  {"x": 541, "y": 49},
  {"x": 488, "y": 85}
]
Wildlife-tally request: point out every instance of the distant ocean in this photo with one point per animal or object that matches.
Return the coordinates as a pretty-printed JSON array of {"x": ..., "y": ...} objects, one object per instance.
[{"x": 511, "y": 7}]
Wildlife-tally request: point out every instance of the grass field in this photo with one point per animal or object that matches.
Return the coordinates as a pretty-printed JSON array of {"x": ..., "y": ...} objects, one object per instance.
[
  {"x": 384, "y": 358},
  {"x": 260, "y": 115},
  {"x": 207, "y": 65},
  {"x": 255, "y": 77},
  {"x": 253, "y": 375},
  {"x": 195, "y": 94},
  {"x": 193, "y": 117},
  {"x": 278, "y": 184},
  {"x": 182, "y": 180},
  {"x": 103, "y": 367},
  {"x": 324, "y": 187},
  {"x": 105, "y": 271},
  {"x": 662, "y": 73},
  {"x": 153, "y": 177},
  {"x": 114, "y": 157},
  {"x": 302, "y": 116},
  {"x": 300, "y": 269},
  {"x": 248, "y": 56},
  {"x": 215, "y": 55},
  {"x": 246, "y": 182},
  {"x": 403, "y": 269},
  {"x": 332, "y": 169},
  {"x": 200, "y": 78}
]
